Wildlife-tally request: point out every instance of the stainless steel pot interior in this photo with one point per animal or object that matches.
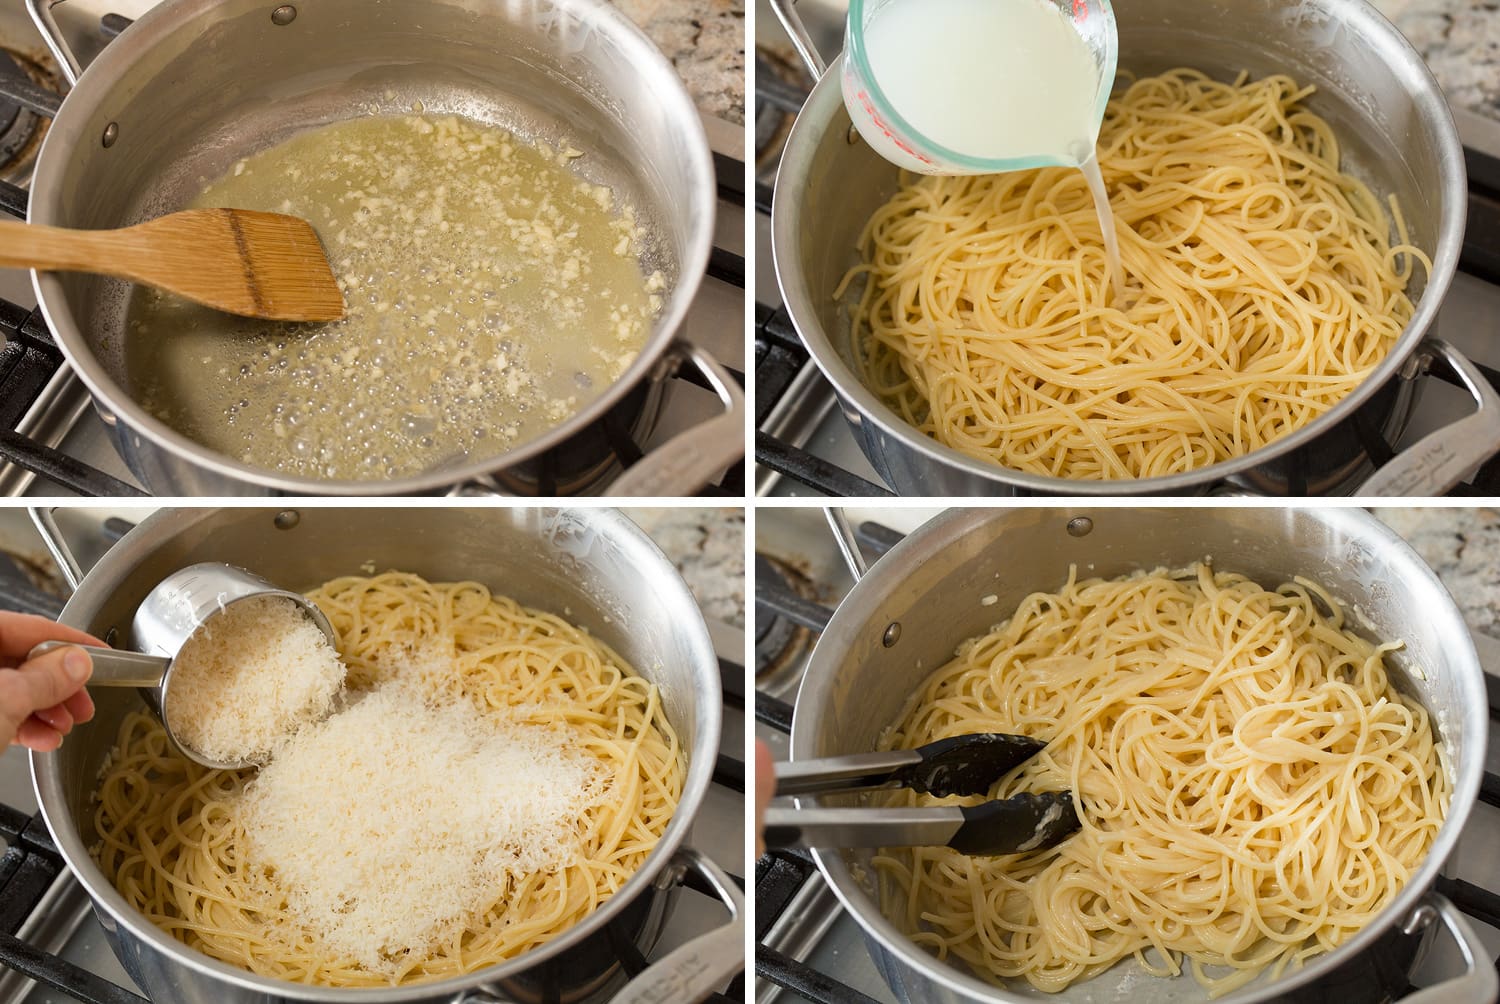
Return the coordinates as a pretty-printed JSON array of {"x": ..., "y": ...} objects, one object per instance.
[
  {"x": 1395, "y": 130},
  {"x": 934, "y": 584},
  {"x": 195, "y": 85},
  {"x": 592, "y": 566}
]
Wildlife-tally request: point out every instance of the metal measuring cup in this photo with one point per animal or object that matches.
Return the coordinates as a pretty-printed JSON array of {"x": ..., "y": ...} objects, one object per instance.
[{"x": 177, "y": 607}]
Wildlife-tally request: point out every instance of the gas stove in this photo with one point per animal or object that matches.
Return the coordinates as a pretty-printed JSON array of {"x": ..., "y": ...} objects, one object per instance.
[
  {"x": 47, "y": 926},
  {"x": 808, "y": 948},
  {"x": 53, "y": 443},
  {"x": 803, "y": 446}
]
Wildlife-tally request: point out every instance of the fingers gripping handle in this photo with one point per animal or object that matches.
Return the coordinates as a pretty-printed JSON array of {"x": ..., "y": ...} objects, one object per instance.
[{"x": 113, "y": 667}]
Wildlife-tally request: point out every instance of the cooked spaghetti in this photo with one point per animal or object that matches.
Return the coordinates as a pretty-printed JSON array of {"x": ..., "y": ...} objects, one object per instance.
[
  {"x": 1252, "y": 788},
  {"x": 496, "y": 774},
  {"x": 1264, "y": 289}
]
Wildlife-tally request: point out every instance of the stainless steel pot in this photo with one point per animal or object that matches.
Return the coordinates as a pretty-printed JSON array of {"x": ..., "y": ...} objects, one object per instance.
[
  {"x": 593, "y": 564},
  {"x": 902, "y": 620},
  {"x": 195, "y": 85},
  {"x": 1396, "y": 132}
]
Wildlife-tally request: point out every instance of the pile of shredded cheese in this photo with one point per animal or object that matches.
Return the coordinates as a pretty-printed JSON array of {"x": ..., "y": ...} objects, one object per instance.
[
  {"x": 490, "y": 775},
  {"x": 391, "y": 825},
  {"x": 249, "y": 678}
]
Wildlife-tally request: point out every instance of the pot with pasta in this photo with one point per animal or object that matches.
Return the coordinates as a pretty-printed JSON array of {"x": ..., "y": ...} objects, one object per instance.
[
  {"x": 497, "y": 807},
  {"x": 517, "y": 199},
  {"x": 1289, "y": 190},
  {"x": 1273, "y": 723}
]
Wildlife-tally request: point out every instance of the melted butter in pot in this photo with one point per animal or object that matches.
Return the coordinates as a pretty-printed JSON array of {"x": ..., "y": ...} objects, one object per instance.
[{"x": 491, "y": 294}]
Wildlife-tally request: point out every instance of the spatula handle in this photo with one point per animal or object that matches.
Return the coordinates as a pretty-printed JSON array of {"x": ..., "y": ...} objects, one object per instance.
[{"x": 25, "y": 245}]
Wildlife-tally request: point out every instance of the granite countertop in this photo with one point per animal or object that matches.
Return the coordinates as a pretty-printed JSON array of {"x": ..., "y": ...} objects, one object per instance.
[
  {"x": 1460, "y": 39},
  {"x": 1463, "y": 547},
  {"x": 705, "y": 40},
  {"x": 708, "y": 548}
]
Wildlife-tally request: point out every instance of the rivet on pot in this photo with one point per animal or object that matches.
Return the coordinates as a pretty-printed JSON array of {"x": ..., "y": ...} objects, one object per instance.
[
  {"x": 853, "y": 136},
  {"x": 111, "y": 133},
  {"x": 892, "y": 634},
  {"x": 1421, "y": 917},
  {"x": 284, "y": 15},
  {"x": 287, "y": 518},
  {"x": 1080, "y": 526},
  {"x": 111, "y": 636}
]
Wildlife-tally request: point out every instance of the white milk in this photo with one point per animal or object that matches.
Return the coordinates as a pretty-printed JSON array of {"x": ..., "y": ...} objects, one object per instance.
[
  {"x": 1095, "y": 178},
  {"x": 992, "y": 79},
  {"x": 989, "y": 79}
]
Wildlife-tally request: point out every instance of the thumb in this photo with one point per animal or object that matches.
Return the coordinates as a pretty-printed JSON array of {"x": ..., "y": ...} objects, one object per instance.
[{"x": 40, "y": 683}]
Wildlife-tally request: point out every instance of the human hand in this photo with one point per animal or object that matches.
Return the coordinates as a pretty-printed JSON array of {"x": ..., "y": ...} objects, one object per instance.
[
  {"x": 41, "y": 700},
  {"x": 765, "y": 787}
]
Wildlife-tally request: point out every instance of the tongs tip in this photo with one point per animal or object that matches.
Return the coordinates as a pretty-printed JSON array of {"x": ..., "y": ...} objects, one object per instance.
[
  {"x": 1030, "y": 821},
  {"x": 969, "y": 764}
]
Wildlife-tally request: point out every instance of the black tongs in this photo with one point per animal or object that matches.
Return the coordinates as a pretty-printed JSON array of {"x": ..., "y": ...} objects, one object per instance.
[{"x": 964, "y": 765}]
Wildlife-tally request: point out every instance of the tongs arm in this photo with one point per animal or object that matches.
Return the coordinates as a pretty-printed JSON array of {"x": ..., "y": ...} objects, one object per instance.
[
  {"x": 861, "y": 827},
  {"x": 1016, "y": 825},
  {"x": 843, "y": 773},
  {"x": 960, "y": 765}
]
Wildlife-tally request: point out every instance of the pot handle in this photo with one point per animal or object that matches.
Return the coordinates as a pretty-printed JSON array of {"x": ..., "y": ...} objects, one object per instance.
[
  {"x": 46, "y": 525},
  {"x": 684, "y": 464},
  {"x": 1439, "y": 461},
  {"x": 1480, "y": 983},
  {"x": 802, "y": 41},
  {"x": 690, "y": 972},
  {"x": 843, "y": 535},
  {"x": 41, "y": 14}
]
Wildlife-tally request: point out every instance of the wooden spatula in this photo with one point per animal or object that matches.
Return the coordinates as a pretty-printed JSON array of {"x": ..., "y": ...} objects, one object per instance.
[{"x": 236, "y": 260}]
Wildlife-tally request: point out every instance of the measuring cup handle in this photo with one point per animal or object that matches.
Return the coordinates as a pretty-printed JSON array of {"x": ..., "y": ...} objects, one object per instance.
[{"x": 113, "y": 668}]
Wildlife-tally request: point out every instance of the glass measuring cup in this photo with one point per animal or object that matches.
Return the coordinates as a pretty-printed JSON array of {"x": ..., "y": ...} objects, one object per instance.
[
  {"x": 892, "y": 136},
  {"x": 169, "y": 615}
]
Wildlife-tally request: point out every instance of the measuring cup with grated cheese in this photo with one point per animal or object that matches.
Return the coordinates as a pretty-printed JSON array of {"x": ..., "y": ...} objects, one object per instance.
[
  {"x": 250, "y": 663},
  {"x": 233, "y": 666},
  {"x": 248, "y": 679}
]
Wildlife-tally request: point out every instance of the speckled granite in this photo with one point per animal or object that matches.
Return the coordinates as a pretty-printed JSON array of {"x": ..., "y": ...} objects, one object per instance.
[
  {"x": 705, "y": 40},
  {"x": 1460, "y": 39},
  {"x": 1463, "y": 547},
  {"x": 708, "y": 548}
]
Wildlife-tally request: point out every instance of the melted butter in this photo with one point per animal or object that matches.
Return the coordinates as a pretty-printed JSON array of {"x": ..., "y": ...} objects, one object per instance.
[{"x": 491, "y": 294}]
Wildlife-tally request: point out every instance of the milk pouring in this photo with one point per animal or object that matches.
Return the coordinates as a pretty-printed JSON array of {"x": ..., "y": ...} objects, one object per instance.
[
  {"x": 989, "y": 80},
  {"x": 955, "y": 87}
]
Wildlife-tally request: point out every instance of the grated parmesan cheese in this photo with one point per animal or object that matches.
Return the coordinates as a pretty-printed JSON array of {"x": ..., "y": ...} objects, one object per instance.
[
  {"x": 387, "y": 828},
  {"x": 249, "y": 678}
]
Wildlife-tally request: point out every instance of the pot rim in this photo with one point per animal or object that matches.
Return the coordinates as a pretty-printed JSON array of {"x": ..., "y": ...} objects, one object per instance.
[
  {"x": 942, "y": 532},
  {"x": 813, "y": 123},
  {"x": 95, "y": 86},
  {"x": 53, "y": 800}
]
